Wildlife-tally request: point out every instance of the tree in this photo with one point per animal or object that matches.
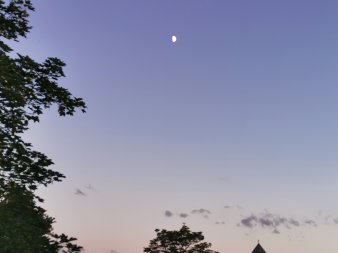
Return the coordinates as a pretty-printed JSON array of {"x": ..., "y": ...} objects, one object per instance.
[
  {"x": 181, "y": 241},
  {"x": 26, "y": 89},
  {"x": 25, "y": 227}
]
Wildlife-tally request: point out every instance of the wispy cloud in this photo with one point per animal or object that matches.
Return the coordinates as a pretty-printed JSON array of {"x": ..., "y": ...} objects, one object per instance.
[
  {"x": 184, "y": 215},
  {"x": 80, "y": 193},
  {"x": 90, "y": 187},
  {"x": 167, "y": 213},
  {"x": 250, "y": 221},
  {"x": 275, "y": 231},
  {"x": 200, "y": 211},
  {"x": 220, "y": 222},
  {"x": 233, "y": 207},
  {"x": 294, "y": 222},
  {"x": 204, "y": 212},
  {"x": 310, "y": 223},
  {"x": 273, "y": 222}
]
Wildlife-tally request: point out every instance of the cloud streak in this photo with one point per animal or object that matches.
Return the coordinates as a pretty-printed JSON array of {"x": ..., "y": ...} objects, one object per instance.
[
  {"x": 274, "y": 222},
  {"x": 167, "y": 213},
  {"x": 220, "y": 222},
  {"x": 201, "y": 211},
  {"x": 80, "y": 193},
  {"x": 184, "y": 215},
  {"x": 311, "y": 223},
  {"x": 204, "y": 212}
]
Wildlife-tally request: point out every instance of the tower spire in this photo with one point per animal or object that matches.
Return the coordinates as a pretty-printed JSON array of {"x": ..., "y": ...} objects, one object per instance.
[{"x": 258, "y": 249}]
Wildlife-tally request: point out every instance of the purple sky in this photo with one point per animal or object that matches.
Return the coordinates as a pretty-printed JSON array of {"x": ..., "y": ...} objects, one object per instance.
[{"x": 242, "y": 111}]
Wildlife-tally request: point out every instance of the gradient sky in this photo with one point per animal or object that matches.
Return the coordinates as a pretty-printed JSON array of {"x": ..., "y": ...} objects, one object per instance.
[{"x": 239, "y": 117}]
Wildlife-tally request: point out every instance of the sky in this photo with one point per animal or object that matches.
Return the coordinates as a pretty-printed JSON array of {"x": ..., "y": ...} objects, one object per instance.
[{"x": 232, "y": 130}]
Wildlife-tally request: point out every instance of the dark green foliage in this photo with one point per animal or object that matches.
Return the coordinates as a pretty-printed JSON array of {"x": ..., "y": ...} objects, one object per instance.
[
  {"x": 13, "y": 18},
  {"x": 26, "y": 89},
  {"x": 181, "y": 241},
  {"x": 25, "y": 227}
]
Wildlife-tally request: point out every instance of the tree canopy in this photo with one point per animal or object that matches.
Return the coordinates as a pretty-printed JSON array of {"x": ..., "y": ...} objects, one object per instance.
[
  {"x": 25, "y": 227},
  {"x": 27, "y": 88},
  {"x": 178, "y": 241}
]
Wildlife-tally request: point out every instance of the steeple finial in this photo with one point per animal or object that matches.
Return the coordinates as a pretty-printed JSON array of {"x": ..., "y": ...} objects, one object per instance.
[{"x": 258, "y": 249}]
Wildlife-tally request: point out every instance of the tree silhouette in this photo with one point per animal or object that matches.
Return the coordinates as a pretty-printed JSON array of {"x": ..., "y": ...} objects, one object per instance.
[
  {"x": 26, "y": 89},
  {"x": 178, "y": 241},
  {"x": 25, "y": 227}
]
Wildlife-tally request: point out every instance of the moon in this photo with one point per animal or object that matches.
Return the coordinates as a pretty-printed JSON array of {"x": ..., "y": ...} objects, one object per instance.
[{"x": 173, "y": 38}]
